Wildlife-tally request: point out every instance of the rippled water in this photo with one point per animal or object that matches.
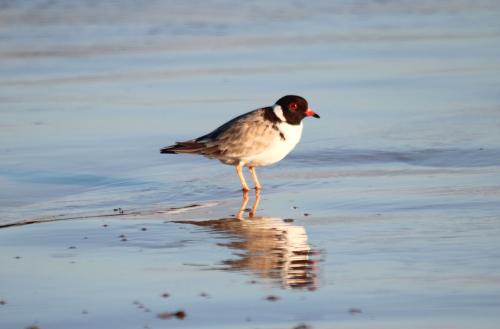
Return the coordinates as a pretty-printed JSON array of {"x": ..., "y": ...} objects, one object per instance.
[{"x": 393, "y": 193}]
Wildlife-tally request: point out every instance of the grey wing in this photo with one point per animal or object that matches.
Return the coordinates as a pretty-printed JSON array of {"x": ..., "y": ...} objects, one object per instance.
[{"x": 246, "y": 135}]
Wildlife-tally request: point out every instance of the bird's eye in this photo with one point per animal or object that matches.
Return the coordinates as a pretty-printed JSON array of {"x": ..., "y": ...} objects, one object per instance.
[{"x": 293, "y": 106}]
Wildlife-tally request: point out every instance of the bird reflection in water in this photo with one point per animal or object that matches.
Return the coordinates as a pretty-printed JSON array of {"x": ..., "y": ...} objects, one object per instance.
[{"x": 270, "y": 247}]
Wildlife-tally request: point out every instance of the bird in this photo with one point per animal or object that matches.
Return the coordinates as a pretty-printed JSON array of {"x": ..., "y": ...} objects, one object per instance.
[{"x": 257, "y": 138}]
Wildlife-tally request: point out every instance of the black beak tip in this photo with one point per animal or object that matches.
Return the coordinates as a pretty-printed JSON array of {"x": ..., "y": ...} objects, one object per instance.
[{"x": 316, "y": 116}]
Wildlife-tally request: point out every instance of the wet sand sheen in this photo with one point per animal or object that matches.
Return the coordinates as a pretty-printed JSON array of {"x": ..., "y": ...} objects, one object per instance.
[
  {"x": 385, "y": 215},
  {"x": 356, "y": 271}
]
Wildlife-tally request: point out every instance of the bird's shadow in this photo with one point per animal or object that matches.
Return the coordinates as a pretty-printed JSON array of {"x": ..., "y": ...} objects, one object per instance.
[{"x": 272, "y": 248}]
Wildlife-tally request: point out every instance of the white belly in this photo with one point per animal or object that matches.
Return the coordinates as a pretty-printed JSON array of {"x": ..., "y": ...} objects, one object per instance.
[{"x": 279, "y": 148}]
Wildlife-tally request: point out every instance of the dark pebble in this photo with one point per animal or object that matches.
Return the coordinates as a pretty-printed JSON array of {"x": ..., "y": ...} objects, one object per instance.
[
  {"x": 71, "y": 247},
  {"x": 307, "y": 214},
  {"x": 354, "y": 310},
  {"x": 272, "y": 298},
  {"x": 165, "y": 295},
  {"x": 144, "y": 229},
  {"x": 167, "y": 315},
  {"x": 288, "y": 220},
  {"x": 3, "y": 302},
  {"x": 180, "y": 314},
  {"x": 302, "y": 326}
]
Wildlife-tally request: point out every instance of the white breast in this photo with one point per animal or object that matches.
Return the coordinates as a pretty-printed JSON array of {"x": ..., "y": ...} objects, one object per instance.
[{"x": 279, "y": 147}]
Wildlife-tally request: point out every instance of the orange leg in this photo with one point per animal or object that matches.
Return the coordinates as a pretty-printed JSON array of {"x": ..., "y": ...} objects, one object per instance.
[
  {"x": 239, "y": 171},
  {"x": 255, "y": 178}
]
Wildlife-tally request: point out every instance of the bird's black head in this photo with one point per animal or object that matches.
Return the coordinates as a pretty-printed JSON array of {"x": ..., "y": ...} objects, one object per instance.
[{"x": 295, "y": 108}]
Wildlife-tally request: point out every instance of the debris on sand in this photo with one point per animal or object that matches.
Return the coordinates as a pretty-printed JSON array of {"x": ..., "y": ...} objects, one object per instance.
[
  {"x": 141, "y": 306},
  {"x": 119, "y": 210},
  {"x": 354, "y": 310},
  {"x": 302, "y": 326},
  {"x": 168, "y": 315},
  {"x": 272, "y": 298}
]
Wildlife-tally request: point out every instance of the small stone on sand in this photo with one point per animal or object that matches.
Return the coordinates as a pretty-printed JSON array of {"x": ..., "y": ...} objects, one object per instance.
[
  {"x": 167, "y": 315},
  {"x": 354, "y": 310},
  {"x": 272, "y": 298}
]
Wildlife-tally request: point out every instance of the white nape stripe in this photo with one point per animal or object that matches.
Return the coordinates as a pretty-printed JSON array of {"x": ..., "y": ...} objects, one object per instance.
[{"x": 279, "y": 112}]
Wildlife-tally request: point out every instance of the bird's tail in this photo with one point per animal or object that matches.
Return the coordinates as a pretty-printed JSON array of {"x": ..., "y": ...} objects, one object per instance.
[{"x": 191, "y": 146}]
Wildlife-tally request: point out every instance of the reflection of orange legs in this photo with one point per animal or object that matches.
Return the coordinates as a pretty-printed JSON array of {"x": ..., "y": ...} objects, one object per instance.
[
  {"x": 255, "y": 204},
  {"x": 254, "y": 177},
  {"x": 244, "y": 202},
  {"x": 239, "y": 171}
]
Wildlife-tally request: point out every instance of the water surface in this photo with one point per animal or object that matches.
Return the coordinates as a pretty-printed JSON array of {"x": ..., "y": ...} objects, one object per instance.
[{"x": 389, "y": 203}]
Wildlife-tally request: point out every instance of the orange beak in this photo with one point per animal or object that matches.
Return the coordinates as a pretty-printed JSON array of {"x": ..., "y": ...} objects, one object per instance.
[{"x": 311, "y": 113}]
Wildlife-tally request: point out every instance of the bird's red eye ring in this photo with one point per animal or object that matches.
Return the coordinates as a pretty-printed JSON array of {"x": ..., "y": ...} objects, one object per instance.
[{"x": 293, "y": 106}]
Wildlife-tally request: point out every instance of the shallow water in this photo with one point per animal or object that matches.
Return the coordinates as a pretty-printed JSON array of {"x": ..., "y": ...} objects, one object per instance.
[
  {"x": 400, "y": 178},
  {"x": 341, "y": 271}
]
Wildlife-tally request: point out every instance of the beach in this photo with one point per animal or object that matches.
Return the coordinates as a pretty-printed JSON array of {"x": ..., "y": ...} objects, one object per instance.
[{"x": 385, "y": 215}]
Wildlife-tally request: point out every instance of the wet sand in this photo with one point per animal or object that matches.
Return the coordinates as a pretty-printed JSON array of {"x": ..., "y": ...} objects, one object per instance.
[
  {"x": 267, "y": 272},
  {"x": 386, "y": 215}
]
